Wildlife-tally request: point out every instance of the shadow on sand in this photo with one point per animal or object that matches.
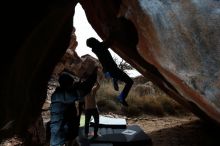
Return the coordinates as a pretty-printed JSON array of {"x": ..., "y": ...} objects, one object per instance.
[{"x": 195, "y": 133}]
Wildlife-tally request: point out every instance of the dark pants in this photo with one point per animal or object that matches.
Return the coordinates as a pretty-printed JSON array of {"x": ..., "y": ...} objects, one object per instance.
[
  {"x": 118, "y": 74},
  {"x": 88, "y": 113},
  {"x": 71, "y": 122}
]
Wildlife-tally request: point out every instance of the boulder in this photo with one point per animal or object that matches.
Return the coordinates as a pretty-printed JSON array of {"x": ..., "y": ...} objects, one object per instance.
[{"x": 175, "y": 44}]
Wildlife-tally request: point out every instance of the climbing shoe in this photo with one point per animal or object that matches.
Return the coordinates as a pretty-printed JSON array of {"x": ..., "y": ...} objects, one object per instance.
[{"x": 122, "y": 100}]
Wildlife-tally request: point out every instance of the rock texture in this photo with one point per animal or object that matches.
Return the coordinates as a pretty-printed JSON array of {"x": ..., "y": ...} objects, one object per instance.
[
  {"x": 78, "y": 66},
  {"x": 176, "y": 43},
  {"x": 173, "y": 43}
]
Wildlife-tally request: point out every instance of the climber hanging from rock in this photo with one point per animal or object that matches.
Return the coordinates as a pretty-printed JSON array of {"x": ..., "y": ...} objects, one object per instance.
[{"x": 110, "y": 68}]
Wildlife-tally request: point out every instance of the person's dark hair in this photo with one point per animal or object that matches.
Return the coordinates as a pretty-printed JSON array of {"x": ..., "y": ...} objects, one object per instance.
[
  {"x": 65, "y": 80},
  {"x": 91, "y": 42}
]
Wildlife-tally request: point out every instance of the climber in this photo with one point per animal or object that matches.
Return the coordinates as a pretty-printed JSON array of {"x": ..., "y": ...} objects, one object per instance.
[{"x": 110, "y": 68}]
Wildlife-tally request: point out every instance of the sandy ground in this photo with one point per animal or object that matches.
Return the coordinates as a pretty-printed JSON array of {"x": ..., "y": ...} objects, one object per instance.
[
  {"x": 168, "y": 131},
  {"x": 178, "y": 131}
]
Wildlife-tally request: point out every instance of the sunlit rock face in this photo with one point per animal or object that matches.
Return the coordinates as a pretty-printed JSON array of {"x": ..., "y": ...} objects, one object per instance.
[
  {"x": 81, "y": 67},
  {"x": 71, "y": 62},
  {"x": 175, "y": 43}
]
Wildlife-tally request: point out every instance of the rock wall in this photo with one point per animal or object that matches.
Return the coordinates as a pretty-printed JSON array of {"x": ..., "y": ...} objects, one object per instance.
[
  {"x": 175, "y": 43},
  {"x": 35, "y": 34}
]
